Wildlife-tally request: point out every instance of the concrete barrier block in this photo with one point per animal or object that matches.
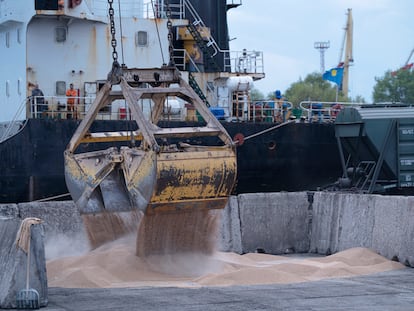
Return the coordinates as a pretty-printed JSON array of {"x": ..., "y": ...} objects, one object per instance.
[
  {"x": 59, "y": 217},
  {"x": 275, "y": 223},
  {"x": 230, "y": 232},
  {"x": 326, "y": 209},
  {"x": 393, "y": 233},
  {"x": 9, "y": 210},
  {"x": 381, "y": 223},
  {"x": 356, "y": 221},
  {"x": 14, "y": 264}
]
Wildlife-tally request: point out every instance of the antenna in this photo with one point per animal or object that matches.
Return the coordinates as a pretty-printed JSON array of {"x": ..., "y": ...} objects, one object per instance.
[{"x": 322, "y": 46}]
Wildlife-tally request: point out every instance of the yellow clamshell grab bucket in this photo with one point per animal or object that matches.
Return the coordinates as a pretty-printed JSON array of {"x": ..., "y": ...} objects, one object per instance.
[{"x": 150, "y": 177}]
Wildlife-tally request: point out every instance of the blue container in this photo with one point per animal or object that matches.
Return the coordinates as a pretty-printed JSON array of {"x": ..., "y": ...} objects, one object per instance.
[{"x": 217, "y": 112}]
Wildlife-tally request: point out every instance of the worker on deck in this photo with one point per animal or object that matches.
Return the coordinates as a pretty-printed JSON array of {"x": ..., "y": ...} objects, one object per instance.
[
  {"x": 71, "y": 93},
  {"x": 38, "y": 101}
]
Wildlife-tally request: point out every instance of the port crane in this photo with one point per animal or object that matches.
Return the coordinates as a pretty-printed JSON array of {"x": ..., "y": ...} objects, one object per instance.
[
  {"x": 407, "y": 65},
  {"x": 347, "y": 46}
]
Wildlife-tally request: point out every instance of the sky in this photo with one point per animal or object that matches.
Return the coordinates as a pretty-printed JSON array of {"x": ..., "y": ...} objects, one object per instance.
[{"x": 286, "y": 30}]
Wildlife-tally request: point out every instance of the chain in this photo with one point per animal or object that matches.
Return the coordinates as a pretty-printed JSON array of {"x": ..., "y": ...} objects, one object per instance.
[
  {"x": 113, "y": 40},
  {"x": 115, "y": 75},
  {"x": 170, "y": 35}
]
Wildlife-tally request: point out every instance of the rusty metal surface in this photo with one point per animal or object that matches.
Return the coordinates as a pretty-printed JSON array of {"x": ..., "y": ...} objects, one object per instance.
[
  {"x": 194, "y": 175},
  {"x": 109, "y": 180},
  {"x": 184, "y": 206},
  {"x": 152, "y": 75}
]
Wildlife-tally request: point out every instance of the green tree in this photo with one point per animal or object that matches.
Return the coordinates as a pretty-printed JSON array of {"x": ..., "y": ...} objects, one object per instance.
[
  {"x": 255, "y": 94},
  {"x": 358, "y": 99},
  {"x": 397, "y": 86},
  {"x": 313, "y": 87}
]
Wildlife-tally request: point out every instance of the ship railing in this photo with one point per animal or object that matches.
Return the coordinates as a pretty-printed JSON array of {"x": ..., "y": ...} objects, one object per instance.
[
  {"x": 159, "y": 9},
  {"x": 247, "y": 62},
  {"x": 234, "y": 2},
  {"x": 276, "y": 111},
  {"x": 317, "y": 111},
  {"x": 184, "y": 62},
  {"x": 244, "y": 62},
  {"x": 57, "y": 107}
]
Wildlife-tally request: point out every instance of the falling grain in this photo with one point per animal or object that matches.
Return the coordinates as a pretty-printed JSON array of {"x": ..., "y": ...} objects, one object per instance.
[
  {"x": 193, "y": 231},
  {"x": 105, "y": 227}
]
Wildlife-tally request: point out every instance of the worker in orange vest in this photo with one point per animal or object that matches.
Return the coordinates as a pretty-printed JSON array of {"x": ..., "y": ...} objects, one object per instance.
[{"x": 71, "y": 93}]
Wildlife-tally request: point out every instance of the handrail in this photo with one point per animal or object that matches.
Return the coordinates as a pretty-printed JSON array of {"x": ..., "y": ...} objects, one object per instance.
[
  {"x": 243, "y": 61},
  {"x": 269, "y": 111},
  {"x": 233, "y": 61},
  {"x": 159, "y": 10},
  {"x": 181, "y": 66},
  {"x": 246, "y": 61},
  {"x": 199, "y": 21},
  {"x": 56, "y": 107},
  {"x": 324, "y": 111}
]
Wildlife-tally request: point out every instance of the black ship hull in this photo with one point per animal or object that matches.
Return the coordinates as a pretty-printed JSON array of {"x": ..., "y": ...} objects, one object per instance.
[{"x": 295, "y": 157}]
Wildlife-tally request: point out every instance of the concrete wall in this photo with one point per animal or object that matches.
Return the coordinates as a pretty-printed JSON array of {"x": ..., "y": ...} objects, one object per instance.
[
  {"x": 284, "y": 222},
  {"x": 382, "y": 223},
  {"x": 322, "y": 222},
  {"x": 274, "y": 222}
]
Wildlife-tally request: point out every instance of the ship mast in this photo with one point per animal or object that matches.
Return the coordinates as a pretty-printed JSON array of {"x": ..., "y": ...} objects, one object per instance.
[{"x": 348, "y": 58}]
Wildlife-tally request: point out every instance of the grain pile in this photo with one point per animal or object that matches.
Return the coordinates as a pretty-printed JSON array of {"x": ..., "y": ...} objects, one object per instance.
[
  {"x": 178, "y": 249},
  {"x": 116, "y": 265}
]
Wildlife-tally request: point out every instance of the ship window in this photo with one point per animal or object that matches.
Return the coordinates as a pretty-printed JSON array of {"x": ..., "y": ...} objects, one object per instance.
[
  {"x": 141, "y": 38},
  {"x": 46, "y": 5},
  {"x": 8, "y": 88},
  {"x": 60, "y": 34},
  {"x": 8, "y": 39},
  {"x": 19, "y": 35},
  {"x": 19, "y": 86},
  {"x": 61, "y": 88}
]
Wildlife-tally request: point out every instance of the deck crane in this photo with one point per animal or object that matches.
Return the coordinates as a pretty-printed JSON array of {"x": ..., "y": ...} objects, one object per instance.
[
  {"x": 407, "y": 65},
  {"x": 409, "y": 57},
  {"x": 347, "y": 45}
]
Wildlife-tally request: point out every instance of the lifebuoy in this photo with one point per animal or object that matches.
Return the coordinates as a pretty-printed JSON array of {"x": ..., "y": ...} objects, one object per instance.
[
  {"x": 74, "y": 3},
  {"x": 238, "y": 139},
  {"x": 335, "y": 110}
]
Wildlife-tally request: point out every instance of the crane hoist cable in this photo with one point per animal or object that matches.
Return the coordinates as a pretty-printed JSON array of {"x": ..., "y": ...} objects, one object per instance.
[
  {"x": 170, "y": 33},
  {"x": 158, "y": 32}
]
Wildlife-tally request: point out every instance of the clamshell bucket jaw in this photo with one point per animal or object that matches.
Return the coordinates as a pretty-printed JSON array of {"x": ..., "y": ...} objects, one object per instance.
[
  {"x": 109, "y": 180},
  {"x": 149, "y": 177}
]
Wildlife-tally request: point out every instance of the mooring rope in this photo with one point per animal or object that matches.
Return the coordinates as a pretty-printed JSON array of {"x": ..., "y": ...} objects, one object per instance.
[
  {"x": 52, "y": 198},
  {"x": 269, "y": 129}
]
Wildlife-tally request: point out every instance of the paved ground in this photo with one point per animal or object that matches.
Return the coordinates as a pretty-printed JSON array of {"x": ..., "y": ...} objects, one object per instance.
[{"x": 384, "y": 291}]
